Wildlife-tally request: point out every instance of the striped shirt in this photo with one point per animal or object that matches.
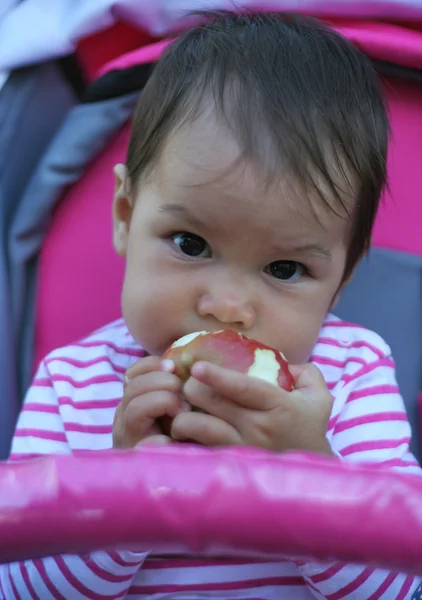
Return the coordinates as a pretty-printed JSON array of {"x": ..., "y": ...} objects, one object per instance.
[{"x": 71, "y": 406}]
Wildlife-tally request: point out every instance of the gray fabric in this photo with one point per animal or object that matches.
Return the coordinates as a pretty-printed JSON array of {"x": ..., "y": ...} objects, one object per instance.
[
  {"x": 33, "y": 102},
  {"x": 84, "y": 133},
  {"x": 385, "y": 295}
]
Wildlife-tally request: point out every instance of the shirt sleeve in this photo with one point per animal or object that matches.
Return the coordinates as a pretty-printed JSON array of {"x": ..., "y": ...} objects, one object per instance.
[
  {"x": 369, "y": 424},
  {"x": 108, "y": 575}
]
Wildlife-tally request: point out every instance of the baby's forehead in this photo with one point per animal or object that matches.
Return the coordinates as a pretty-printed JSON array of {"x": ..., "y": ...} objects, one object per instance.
[{"x": 204, "y": 165}]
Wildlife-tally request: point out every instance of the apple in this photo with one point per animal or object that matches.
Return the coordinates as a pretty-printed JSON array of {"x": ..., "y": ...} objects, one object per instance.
[{"x": 231, "y": 350}]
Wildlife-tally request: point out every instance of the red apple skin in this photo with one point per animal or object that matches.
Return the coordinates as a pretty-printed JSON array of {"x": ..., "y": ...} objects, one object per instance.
[{"x": 230, "y": 350}]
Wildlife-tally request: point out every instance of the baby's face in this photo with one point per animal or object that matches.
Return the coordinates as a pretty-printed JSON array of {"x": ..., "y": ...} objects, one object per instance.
[{"x": 210, "y": 247}]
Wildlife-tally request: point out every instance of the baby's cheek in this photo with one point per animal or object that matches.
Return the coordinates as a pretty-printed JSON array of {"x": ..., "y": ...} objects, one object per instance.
[{"x": 301, "y": 339}]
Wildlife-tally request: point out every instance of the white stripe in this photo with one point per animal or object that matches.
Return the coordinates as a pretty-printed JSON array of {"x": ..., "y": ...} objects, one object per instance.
[
  {"x": 59, "y": 580},
  {"x": 219, "y": 573},
  {"x": 380, "y": 403},
  {"x": 382, "y": 430},
  {"x": 33, "y": 445},
  {"x": 79, "y": 373},
  {"x": 347, "y": 576},
  {"x": 90, "y": 580},
  {"x": 100, "y": 391},
  {"x": 90, "y": 441},
  {"x": 88, "y": 416},
  {"x": 6, "y": 585},
  {"x": 377, "y": 456},
  {"x": 36, "y": 580},
  {"x": 105, "y": 561},
  {"x": 40, "y": 420}
]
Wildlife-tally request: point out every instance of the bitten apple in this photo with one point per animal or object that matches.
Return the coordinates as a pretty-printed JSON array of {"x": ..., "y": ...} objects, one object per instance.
[{"x": 230, "y": 350}]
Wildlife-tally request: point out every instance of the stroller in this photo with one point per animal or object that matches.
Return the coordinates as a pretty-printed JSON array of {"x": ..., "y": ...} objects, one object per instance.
[{"x": 74, "y": 177}]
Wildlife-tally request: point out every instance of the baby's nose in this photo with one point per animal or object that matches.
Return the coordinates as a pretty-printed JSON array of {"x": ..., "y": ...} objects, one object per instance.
[{"x": 228, "y": 309}]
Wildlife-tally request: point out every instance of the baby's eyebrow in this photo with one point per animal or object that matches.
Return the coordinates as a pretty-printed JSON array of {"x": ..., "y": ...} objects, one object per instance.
[
  {"x": 314, "y": 249},
  {"x": 181, "y": 212}
]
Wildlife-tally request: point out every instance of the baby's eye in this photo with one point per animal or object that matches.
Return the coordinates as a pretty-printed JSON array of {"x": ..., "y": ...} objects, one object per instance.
[
  {"x": 191, "y": 244},
  {"x": 286, "y": 270}
]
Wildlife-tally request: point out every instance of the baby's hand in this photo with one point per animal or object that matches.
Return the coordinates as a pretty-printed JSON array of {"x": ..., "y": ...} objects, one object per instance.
[
  {"x": 151, "y": 392},
  {"x": 243, "y": 410}
]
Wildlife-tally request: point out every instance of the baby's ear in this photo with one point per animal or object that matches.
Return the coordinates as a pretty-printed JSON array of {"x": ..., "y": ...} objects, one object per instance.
[{"x": 122, "y": 209}]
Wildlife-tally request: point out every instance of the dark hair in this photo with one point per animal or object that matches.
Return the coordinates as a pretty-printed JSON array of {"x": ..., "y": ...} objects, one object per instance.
[{"x": 313, "y": 95}]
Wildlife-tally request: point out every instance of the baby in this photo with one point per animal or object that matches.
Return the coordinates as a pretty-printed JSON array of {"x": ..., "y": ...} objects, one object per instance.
[{"x": 252, "y": 180}]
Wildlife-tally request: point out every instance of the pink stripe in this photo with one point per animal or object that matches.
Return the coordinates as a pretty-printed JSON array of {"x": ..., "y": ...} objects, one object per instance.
[
  {"x": 332, "y": 362},
  {"x": 25, "y": 577},
  {"x": 81, "y": 364},
  {"x": 78, "y": 585},
  {"x": 313, "y": 587},
  {"x": 361, "y": 420},
  {"x": 40, "y": 566},
  {"x": 333, "y": 570},
  {"x": 106, "y": 575},
  {"x": 300, "y": 563},
  {"x": 21, "y": 456},
  {"x": 332, "y": 422},
  {"x": 375, "y": 390},
  {"x": 139, "y": 353},
  {"x": 383, "y": 587},
  {"x": 406, "y": 587},
  {"x": 115, "y": 556},
  {"x": 88, "y": 404},
  {"x": 12, "y": 583},
  {"x": 42, "y": 382},
  {"x": 374, "y": 445},
  {"x": 352, "y": 586},
  {"x": 370, "y": 418},
  {"x": 40, "y": 408},
  {"x": 369, "y": 368},
  {"x": 97, "y": 380},
  {"x": 54, "y": 436},
  {"x": 399, "y": 462},
  {"x": 340, "y": 323},
  {"x": 82, "y": 428},
  {"x": 118, "y": 325},
  {"x": 356, "y": 344},
  {"x": 223, "y": 586}
]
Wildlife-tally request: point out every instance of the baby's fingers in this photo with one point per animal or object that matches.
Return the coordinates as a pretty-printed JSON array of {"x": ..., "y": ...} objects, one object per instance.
[
  {"x": 154, "y": 440},
  {"x": 249, "y": 392},
  {"x": 144, "y": 410},
  {"x": 308, "y": 379},
  {"x": 151, "y": 382},
  {"x": 148, "y": 364},
  {"x": 138, "y": 418}
]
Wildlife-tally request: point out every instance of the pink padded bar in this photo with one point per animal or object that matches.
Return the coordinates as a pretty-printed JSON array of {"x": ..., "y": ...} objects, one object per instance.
[{"x": 181, "y": 499}]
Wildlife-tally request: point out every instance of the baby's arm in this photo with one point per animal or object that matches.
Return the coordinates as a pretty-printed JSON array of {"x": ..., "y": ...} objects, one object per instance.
[
  {"x": 107, "y": 575},
  {"x": 369, "y": 424}
]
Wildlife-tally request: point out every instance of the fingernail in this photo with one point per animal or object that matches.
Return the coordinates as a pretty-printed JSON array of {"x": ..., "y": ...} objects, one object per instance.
[
  {"x": 127, "y": 379},
  {"x": 198, "y": 369},
  {"x": 168, "y": 365}
]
